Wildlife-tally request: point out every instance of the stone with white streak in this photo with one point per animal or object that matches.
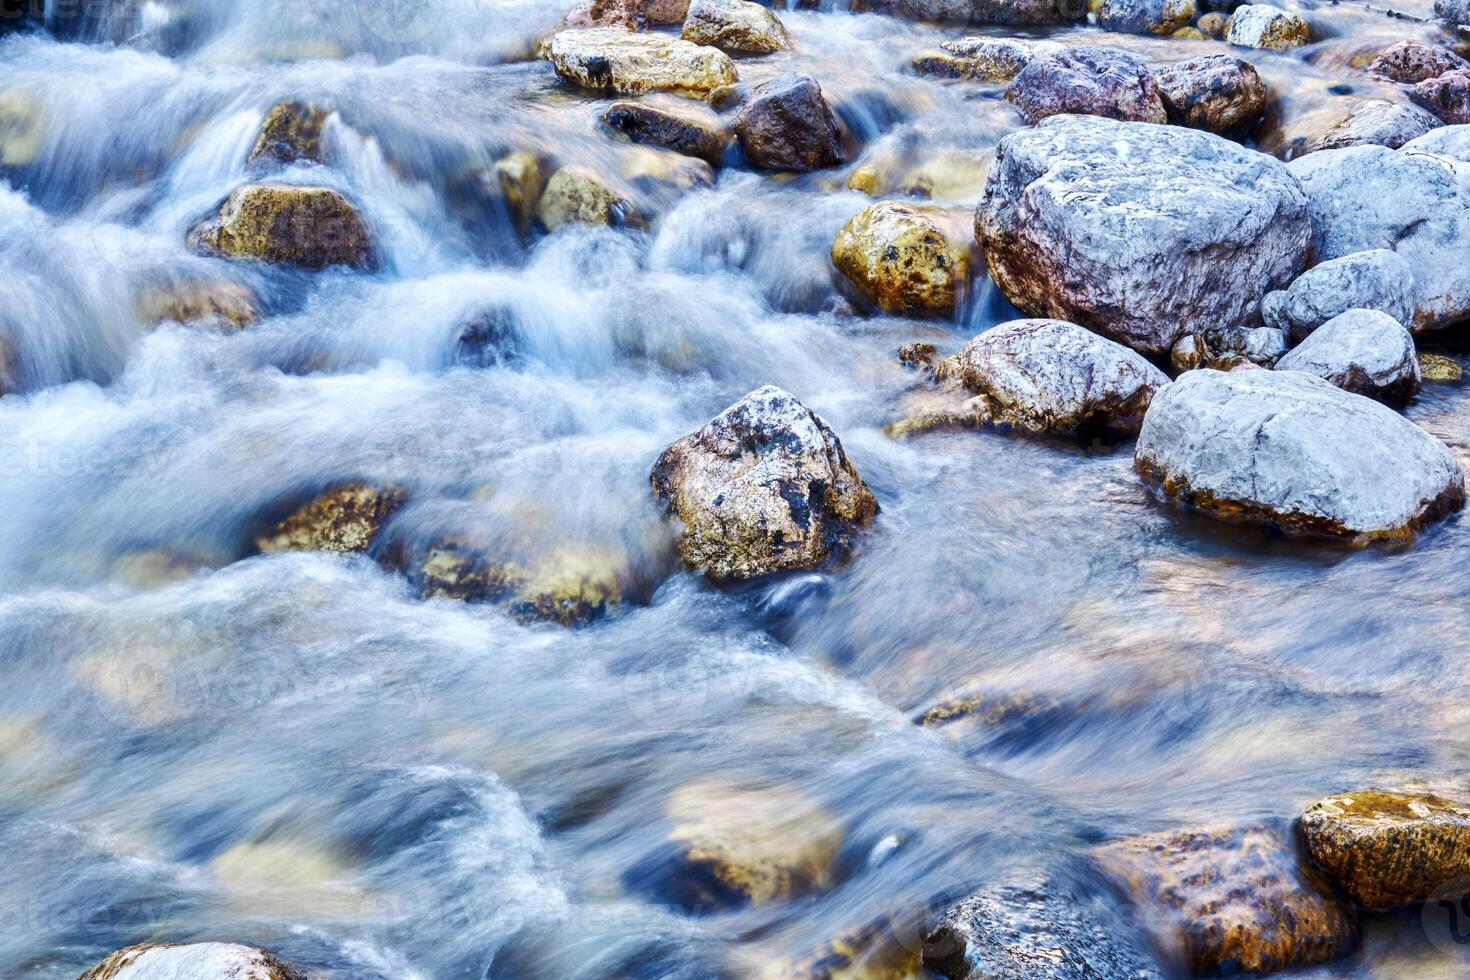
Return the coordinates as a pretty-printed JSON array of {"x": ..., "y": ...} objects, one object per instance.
[
  {"x": 1290, "y": 450},
  {"x": 1362, "y": 351}
]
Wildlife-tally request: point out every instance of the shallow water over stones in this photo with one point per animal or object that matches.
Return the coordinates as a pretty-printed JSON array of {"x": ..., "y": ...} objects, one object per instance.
[{"x": 1027, "y": 655}]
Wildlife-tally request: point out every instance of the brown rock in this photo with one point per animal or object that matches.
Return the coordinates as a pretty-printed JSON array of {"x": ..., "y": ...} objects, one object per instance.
[
  {"x": 1233, "y": 899},
  {"x": 1447, "y": 96},
  {"x": 345, "y": 519},
  {"x": 1213, "y": 24},
  {"x": 677, "y": 131},
  {"x": 292, "y": 131},
  {"x": 625, "y": 14},
  {"x": 313, "y": 227},
  {"x": 1415, "y": 61},
  {"x": 786, "y": 124},
  {"x": 976, "y": 11},
  {"x": 1220, "y": 94},
  {"x": 1386, "y": 849},
  {"x": 903, "y": 259},
  {"x": 1087, "y": 81}
]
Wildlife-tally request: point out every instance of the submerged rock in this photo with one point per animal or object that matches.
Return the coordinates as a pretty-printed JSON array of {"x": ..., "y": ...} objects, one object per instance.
[
  {"x": 563, "y": 585},
  {"x": 747, "y": 846},
  {"x": 681, "y": 132},
  {"x": 986, "y": 59},
  {"x": 1376, "y": 122},
  {"x": 1384, "y": 849},
  {"x": 1371, "y": 197},
  {"x": 902, "y": 259},
  {"x": 520, "y": 177},
  {"x": 1232, "y": 900},
  {"x": 198, "y": 961},
  {"x": 786, "y": 124},
  {"x": 735, "y": 25},
  {"x": 1036, "y": 926},
  {"x": 977, "y": 11},
  {"x": 1362, "y": 351},
  {"x": 1290, "y": 450},
  {"x": 1056, "y": 377},
  {"x": 1376, "y": 279},
  {"x": 632, "y": 64},
  {"x": 1141, "y": 233},
  {"x": 1439, "y": 370},
  {"x": 577, "y": 195},
  {"x": 1413, "y": 61},
  {"x": 1144, "y": 16},
  {"x": 764, "y": 487},
  {"x": 1087, "y": 81},
  {"x": 1220, "y": 94},
  {"x": 1259, "y": 25},
  {"x": 216, "y": 302},
  {"x": 314, "y": 227},
  {"x": 292, "y": 131},
  {"x": 1447, "y": 96},
  {"x": 345, "y": 519}
]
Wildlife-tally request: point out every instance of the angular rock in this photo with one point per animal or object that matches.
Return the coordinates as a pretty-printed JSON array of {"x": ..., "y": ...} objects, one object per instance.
[
  {"x": 683, "y": 133},
  {"x": 1362, "y": 351},
  {"x": 632, "y": 64},
  {"x": 983, "y": 59},
  {"x": 1376, "y": 279},
  {"x": 1144, "y": 16},
  {"x": 1288, "y": 449},
  {"x": 218, "y": 302},
  {"x": 902, "y": 259},
  {"x": 1258, "y": 25},
  {"x": 1414, "y": 61},
  {"x": 1034, "y": 925},
  {"x": 741, "y": 846},
  {"x": 1187, "y": 353},
  {"x": 977, "y": 11},
  {"x": 314, "y": 227},
  {"x": 577, "y": 195},
  {"x": 1369, "y": 197},
  {"x": 345, "y": 519},
  {"x": 764, "y": 487},
  {"x": 786, "y": 124},
  {"x": 1436, "y": 369},
  {"x": 292, "y": 131},
  {"x": 1232, "y": 900},
  {"x": 1219, "y": 94},
  {"x": 1376, "y": 122},
  {"x": 198, "y": 961},
  {"x": 1384, "y": 849},
  {"x": 1056, "y": 377},
  {"x": 1141, "y": 233},
  {"x": 1447, "y": 96},
  {"x": 1087, "y": 81},
  {"x": 735, "y": 25}
]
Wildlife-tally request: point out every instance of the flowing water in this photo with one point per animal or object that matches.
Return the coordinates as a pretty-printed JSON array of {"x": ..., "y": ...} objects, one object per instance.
[{"x": 296, "y": 751}]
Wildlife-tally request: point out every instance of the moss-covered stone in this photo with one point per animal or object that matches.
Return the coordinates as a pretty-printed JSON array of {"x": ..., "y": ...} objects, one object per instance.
[
  {"x": 345, "y": 519},
  {"x": 1233, "y": 899},
  {"x": 291, "y": 131},
  {"x": 1385, "y": 849},
  {"x": 313, "y": 227},
  {"x": 215, "y": 302},
  {"x": 740, "y": 845},
  {"x": 1436, "y": 369}
]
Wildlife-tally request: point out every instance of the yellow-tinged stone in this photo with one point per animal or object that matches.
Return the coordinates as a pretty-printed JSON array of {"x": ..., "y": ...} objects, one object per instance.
[
  {"x": 578, "y": 195},
  {"x": 345, "y": 519},
  {"x": 522, "y": 177},
  {"x": 309, "y": 226},
  {"x": 20, "y": 127},
  {"x": 219, "y": 302},
  {"x": 753, "y": 845},
  {"x": 902, "y": 258},
  {"x": 1440, "y": 370}
]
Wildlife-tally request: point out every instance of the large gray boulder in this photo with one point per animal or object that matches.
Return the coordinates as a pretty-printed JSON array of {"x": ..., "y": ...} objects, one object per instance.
[
  {"x": 1056, "y": 377},
  {"x": 977, "y": 11},
  {"x": 1087, "y": 81},
  {"x": 764, "y": 487},
  {"x": 1142, "y": 233},
  {"x": 1418, "y": 205},
  {"x": 1373, "y": 280},
  {"x": 1362, "y": 351},
  {"x": 1290, "y": 450},
  {"x": 1376, "y": 122},
  {"x": 199, "y": 961}
]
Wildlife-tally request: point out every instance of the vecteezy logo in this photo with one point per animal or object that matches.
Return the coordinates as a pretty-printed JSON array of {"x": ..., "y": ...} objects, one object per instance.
[
  {"x": 1445, "y": 917},
  {"x": 400, "y": 21}
]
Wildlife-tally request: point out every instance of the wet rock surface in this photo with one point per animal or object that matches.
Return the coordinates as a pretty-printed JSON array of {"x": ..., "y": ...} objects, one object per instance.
[
  {"x": 1447, "y": 96},
  {"x": 1415, "y": 61},
  {"x": 1289, "y": 449},
  {"x": 986, "y": 59},
  {"x": 1362, "y": 351},
  {"x": 1141, "y": 233},
  {"x": 314, "y": 227},
  {"x": 1145, "y": 16},
  {"x": 1014, "y": 12},
  {"x": 681, "y": 132},
  {"x": 903, "y": 259},
  {"x": 1221, "y": 94},
  {"x": 345, "y": 519},
  {"x": 1258, "y": 25},
  {"x": 1384, "y": 849},
  {"x": 735, "y": 25},
  {"x": 200, "y": 961},
  {"x": 1376, "y": 279},
  {"x": 1087, "y": 81},
  {"x": 764, "y": 487},
  {"x": 786, "y": 124},
  {"x": 1377, "y": 122},
  {"x": 632, "y": 64},
  {"x": 292, "y": 131}
]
